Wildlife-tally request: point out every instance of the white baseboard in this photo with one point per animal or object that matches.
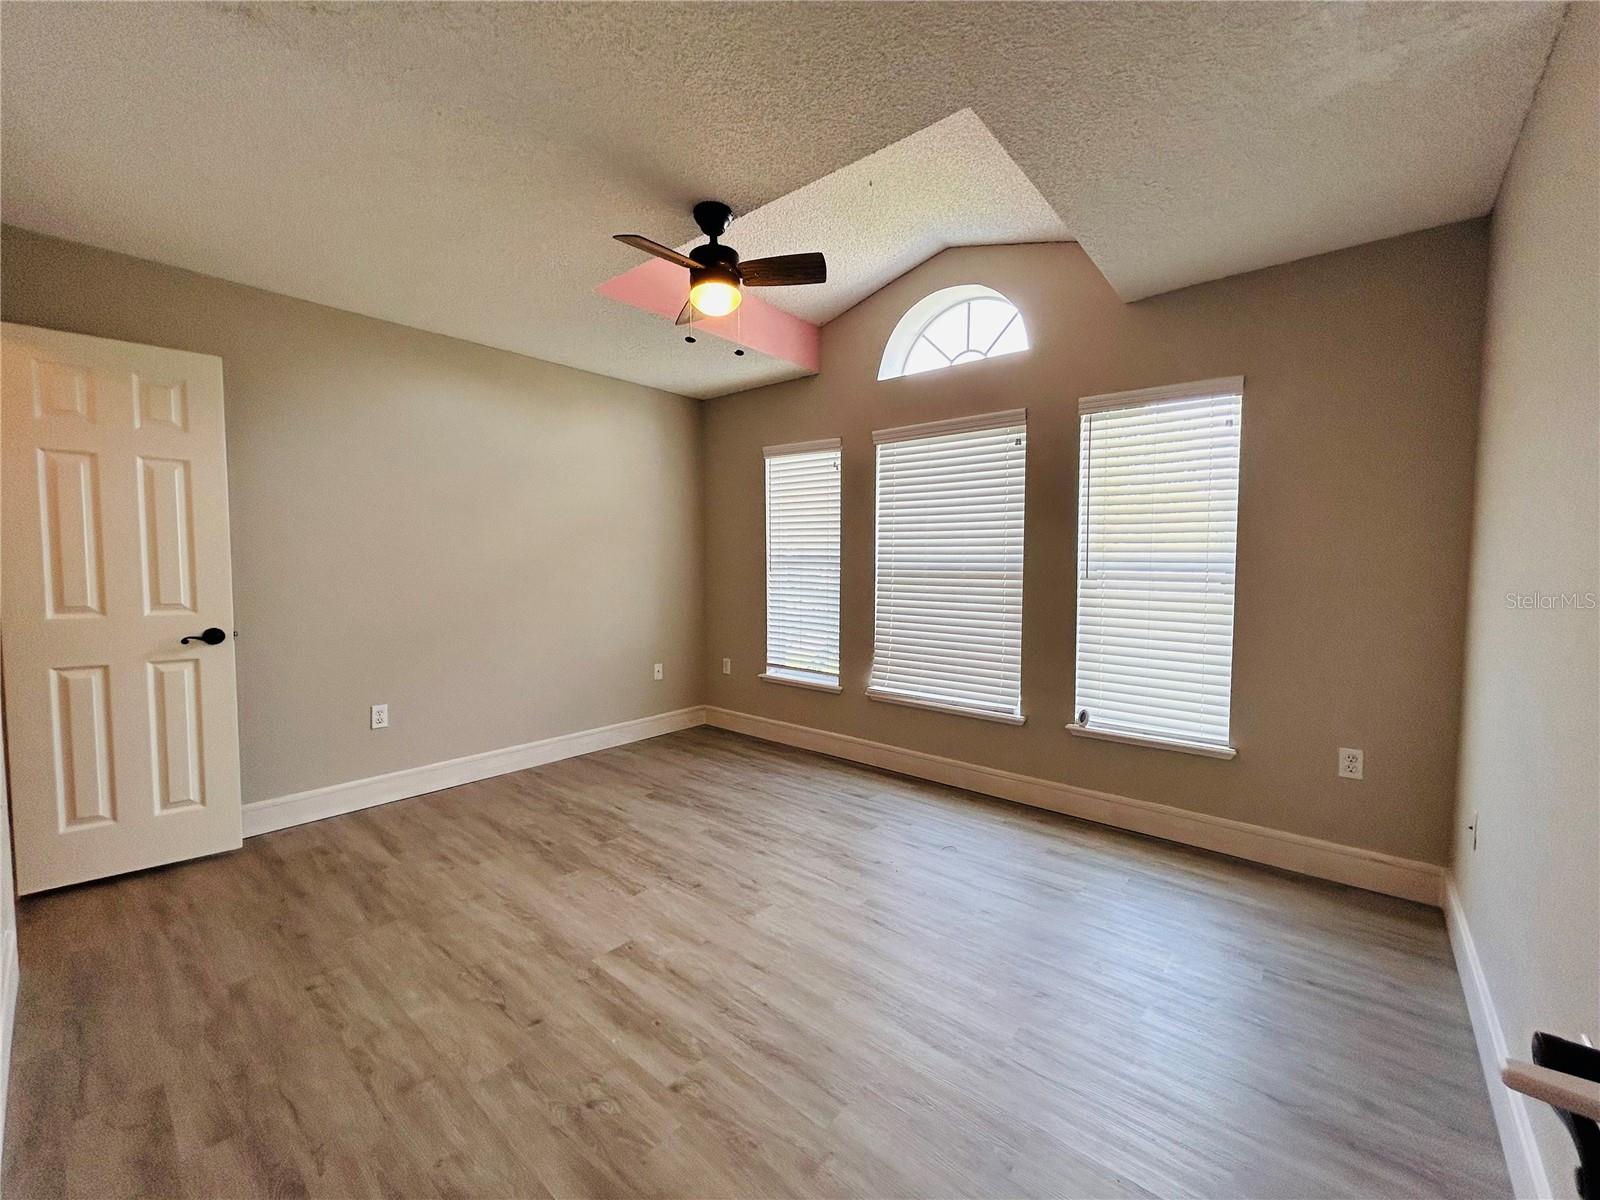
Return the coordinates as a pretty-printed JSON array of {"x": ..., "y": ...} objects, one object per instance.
[
  {"x": 264, "y": 816},
  {"x": 1368, "y": 869},
  {"x": 1290, "y": 851},
  {"x": 10, "y": 980},
  {"x": 1523, "y": 1161}
]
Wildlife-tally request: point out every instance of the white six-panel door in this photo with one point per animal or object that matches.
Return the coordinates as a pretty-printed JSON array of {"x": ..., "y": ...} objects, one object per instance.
[{"x": 124, "y": 745}]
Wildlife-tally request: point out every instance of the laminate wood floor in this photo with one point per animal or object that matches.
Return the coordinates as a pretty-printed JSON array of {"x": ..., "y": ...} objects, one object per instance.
[{"x": 707, "y": 966}]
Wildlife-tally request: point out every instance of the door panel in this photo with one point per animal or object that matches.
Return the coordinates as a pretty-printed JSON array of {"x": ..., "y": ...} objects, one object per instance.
[
  {"x": 114, "y": 532},
  {"x": 175, "y": 738},
  {"x": 168, "y": 548},
  {"x": 85, "y": 794},
  {"x": 69, "y": 492}
]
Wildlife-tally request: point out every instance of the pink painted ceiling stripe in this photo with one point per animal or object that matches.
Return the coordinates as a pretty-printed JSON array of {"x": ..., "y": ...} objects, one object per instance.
[{"x": 661, "y": 288}]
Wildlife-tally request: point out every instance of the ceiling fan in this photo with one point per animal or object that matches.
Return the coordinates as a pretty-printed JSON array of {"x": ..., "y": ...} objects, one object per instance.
[{"x": 715, "y": 272}]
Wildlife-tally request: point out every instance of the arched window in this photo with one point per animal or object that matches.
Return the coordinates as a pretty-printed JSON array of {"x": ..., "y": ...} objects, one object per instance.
[{"x": 954, "y": 325}]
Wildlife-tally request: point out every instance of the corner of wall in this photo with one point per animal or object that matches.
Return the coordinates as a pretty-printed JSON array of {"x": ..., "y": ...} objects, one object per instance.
[
  {"x": 707, "y": 671},
  {"x": 10, "y": 962}
]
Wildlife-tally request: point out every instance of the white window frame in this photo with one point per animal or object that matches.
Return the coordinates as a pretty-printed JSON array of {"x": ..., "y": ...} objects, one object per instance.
[
  {"x": 790, "y": 673},
  {"x": 884, "y": 670},
  {"x": 1218, "y": 389},
  {"x": 925, "y": 312}
]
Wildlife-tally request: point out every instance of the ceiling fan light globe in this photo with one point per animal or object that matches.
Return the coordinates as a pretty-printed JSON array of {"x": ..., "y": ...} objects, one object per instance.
[{"x": 714, "y": 297}]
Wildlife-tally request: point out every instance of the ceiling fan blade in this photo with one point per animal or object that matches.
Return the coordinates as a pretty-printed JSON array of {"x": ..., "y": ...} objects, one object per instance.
[
  {"x": 783, "y": 270},
  {"x": 639, "y": 242},
  {"x": 685, "y": 314}
]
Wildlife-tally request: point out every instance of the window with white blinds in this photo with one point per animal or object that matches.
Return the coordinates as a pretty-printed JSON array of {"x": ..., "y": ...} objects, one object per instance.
[
  {"x": 1158, "y": 504},
  {"x": 948, "y": 612},
  {"x": 803, "y": 563}
]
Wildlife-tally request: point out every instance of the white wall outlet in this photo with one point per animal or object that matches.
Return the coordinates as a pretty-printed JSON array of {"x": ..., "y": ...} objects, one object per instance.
[
  {"x": 1349, "y": 763},
  {"x": 380, "y": 716},
  {"x": 660, "y": 674},
  {"x": 727, "y": 666}
]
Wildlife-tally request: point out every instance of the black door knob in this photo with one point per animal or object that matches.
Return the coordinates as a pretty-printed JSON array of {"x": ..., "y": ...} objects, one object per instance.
[{"x": 211, "y": 637}]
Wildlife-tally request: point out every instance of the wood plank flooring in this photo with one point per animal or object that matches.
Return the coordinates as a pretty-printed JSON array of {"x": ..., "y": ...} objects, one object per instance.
[{"x": 705, "y": 966}]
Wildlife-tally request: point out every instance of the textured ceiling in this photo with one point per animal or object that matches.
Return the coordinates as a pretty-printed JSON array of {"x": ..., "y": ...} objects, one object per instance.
[
  {"x": 459, "y": 167},
  {"x": 951, "y": 184}
]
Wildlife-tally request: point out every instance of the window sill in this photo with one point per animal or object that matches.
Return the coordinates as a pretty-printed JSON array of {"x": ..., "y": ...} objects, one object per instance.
[
  {"x": 1154, "y": 743},
  {"x": 817, "y": 683},
  {"x": 935, "y": 706}
]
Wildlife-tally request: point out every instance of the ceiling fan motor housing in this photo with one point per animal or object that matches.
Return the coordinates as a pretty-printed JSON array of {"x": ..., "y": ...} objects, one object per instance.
[{"x": 716, "y": 262}]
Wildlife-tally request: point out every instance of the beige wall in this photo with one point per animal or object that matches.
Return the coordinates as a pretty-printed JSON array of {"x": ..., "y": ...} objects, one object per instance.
[
  {"x": 1530, "y": 752},
  {"x": 1360, "y": 410},
  {"x": 496, "y": 547}
]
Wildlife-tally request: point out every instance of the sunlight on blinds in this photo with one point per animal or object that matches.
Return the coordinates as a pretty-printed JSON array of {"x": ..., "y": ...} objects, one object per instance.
[
  {"x": 1158, "y": 502},
  {"x": 948, "y": 612},
  {"x": 803, "y": 562}
]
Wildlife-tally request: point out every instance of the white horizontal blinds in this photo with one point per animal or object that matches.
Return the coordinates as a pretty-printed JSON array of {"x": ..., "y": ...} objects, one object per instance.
[
  {"x": 948, "y": 614},
  {"x": 803, "y": 561},
  {"x": 1158, "y": 504}
]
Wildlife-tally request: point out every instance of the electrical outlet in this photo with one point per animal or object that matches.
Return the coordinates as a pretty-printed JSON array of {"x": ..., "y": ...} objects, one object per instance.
[
  {"x": 1349, "y": 763},
  {"x": 727, "y": 666},
  {"x": 660, "y": 674},
  {"x": 380, "y": 716}
]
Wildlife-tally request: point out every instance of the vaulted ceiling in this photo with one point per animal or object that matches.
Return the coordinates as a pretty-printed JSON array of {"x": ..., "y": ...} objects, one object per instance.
[{"x": 460, "y": 167}]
